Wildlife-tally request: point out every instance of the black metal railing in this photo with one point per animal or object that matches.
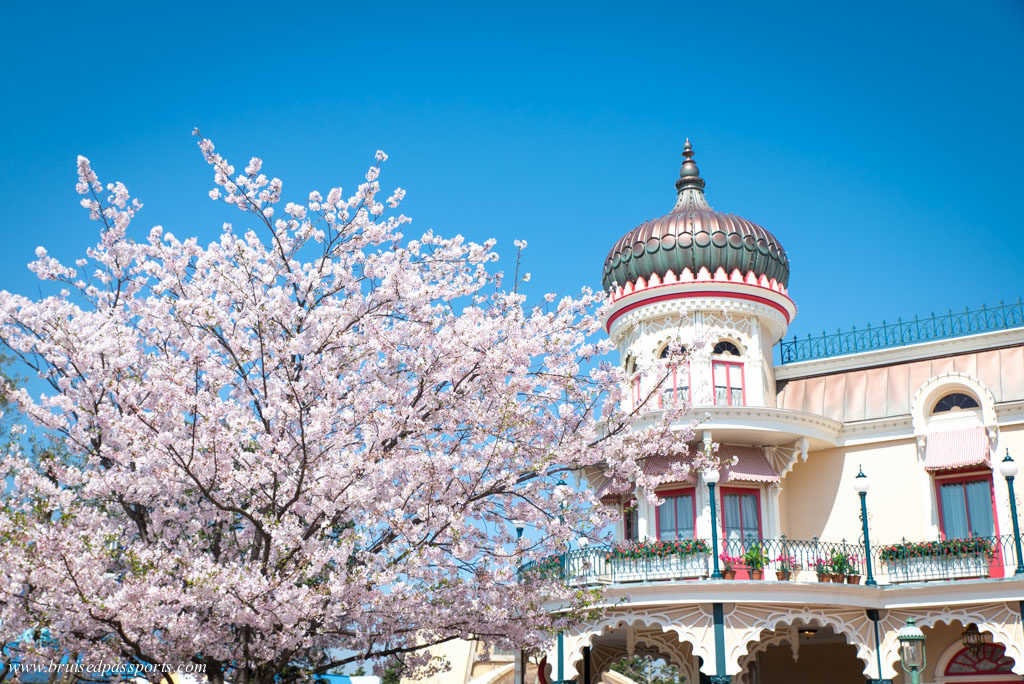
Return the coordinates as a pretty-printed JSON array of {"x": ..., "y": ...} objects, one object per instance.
[
  {"x": 934, "y": 327},
  {"x": 783, "y": 559}
]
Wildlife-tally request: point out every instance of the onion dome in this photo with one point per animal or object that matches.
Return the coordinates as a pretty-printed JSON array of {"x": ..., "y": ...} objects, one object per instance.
[{"x": 694, "y": 236}]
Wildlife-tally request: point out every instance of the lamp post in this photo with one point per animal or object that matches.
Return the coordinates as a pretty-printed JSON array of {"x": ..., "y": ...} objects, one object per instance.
[
  {"x": 862, "y": 484},
  {"x": 912, "y": 657},
  {"x": 561, "y": 634},
  {"x": 711, "y": 477},
  {"x": 1008, "y": 469},
  {"x": 520, "y": 525}
]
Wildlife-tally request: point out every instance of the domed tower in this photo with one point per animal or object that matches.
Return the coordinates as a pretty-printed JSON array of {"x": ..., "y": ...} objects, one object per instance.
[{"x": 714, "y": 282}]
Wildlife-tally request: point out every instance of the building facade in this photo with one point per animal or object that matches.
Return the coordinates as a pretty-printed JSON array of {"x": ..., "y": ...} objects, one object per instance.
[{"x": 925, "y": 410}]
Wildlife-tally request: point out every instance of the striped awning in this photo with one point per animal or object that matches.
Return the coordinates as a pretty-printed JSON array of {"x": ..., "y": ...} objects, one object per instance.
[
  {"x": 954, "y": 449},
  {"x": 659, "y": 465},
  {"x": 751, "y": 464}
]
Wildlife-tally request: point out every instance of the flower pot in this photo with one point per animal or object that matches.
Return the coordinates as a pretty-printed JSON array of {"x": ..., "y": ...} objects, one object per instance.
[
  {"x": 838, "y": 578},
  {"x": 782, "y": 575},
  {"x": 756, "y": 574},
  {"x": 822, "y": 577},
  {"x": 729, "y": 574},
  {"x": 853, "y": 579}
]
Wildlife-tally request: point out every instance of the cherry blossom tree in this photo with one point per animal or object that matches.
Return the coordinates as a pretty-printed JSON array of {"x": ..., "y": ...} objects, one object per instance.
[{"x": 305, "y": 444}]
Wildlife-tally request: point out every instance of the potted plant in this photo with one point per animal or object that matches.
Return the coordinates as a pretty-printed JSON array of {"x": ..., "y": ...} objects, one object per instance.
[
  {"x": 728, "y": 571},
  {"x": 824, "y": 572},
  {"x": 755, "y": 560},
  {"x": 853, "y": 572},
  {"x": 841, "y": 565},
  {"x": 787, "y": 567},
  {"x": 838, "y": 562}
]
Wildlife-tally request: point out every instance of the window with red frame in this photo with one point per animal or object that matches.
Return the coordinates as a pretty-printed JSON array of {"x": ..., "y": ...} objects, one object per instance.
[
  {"x": 728, "y": 377},
  {"x": 630, "y": 522},
  {"x": 965, "y": 506},
  {"x": 676, "y": 516},
  {"x": 680, "y": 388},
  {"x": 741, "y": 514}
]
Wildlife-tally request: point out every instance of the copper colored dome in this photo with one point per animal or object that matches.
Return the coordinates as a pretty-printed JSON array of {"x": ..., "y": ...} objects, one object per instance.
[{"x": 693, "y": 236}]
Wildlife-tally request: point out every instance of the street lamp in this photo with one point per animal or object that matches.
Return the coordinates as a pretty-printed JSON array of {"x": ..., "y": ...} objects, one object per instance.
[
  {"x": 711, "y": 477},
  {"x": 862, "y": 484},
  {"x": 911, "y": 649},
  {"x": 1008, "y": 469}
]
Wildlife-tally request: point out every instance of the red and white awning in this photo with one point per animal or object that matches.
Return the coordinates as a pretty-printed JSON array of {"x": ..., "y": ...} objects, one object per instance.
[
  {"x": 954, "y": 449},
  {"x": 751, "y": 464}
]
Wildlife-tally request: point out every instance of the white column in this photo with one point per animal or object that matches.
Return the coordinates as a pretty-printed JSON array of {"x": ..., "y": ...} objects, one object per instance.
[
  {"x": 644, "y": 519},
  {"x": 770, "y": 512}
]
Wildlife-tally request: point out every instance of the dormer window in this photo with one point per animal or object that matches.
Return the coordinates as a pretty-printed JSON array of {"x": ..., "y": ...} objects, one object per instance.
[
  {"x": 679, "y": 389},
  {"x": 957, "y": 401}
]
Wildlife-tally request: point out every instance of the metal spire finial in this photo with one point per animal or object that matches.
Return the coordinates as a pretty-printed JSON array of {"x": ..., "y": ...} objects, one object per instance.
[{"x": 689, "y": 175}]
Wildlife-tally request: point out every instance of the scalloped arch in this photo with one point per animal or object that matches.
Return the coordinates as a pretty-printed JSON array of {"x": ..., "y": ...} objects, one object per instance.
[
  {"x": 999, "y": 620},
  {"x": 939, "y": 385},
  {"x": 689, "y": 624},
  {"x": 751, "y": 636}
]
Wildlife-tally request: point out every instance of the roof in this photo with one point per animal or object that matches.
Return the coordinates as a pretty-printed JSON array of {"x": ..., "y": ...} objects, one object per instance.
[
  {"x": 887, "y": 391},
  {"x": 692, "y": 236}
]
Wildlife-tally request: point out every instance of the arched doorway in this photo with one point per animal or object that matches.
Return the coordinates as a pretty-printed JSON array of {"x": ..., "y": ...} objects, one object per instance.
[
  {"x": 802, "y": 654},
  {"x": 649, "y": 644}
]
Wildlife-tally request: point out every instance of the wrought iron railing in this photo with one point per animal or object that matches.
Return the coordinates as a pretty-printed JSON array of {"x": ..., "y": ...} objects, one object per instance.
[
  {"x": 784, "y": 559},
  {"x": 900, "y": 333}
]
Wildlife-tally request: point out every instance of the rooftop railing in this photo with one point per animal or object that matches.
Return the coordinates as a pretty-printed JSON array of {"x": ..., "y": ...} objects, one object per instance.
[
  {"x": 935, "y": 327},
  {"x": 782, "y": 559}
]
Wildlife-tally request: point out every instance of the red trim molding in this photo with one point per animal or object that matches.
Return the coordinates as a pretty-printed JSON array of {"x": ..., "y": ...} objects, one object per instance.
[{"x": 691, "y": 295}]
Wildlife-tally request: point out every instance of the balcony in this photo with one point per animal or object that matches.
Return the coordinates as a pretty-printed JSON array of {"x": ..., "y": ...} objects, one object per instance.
[
  {"x": 902, "y": 333},
  {"x": 783, "y": 560}
]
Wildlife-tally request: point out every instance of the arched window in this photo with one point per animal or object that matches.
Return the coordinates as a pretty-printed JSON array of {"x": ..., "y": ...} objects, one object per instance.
[
  {"x": 727, "y": 375},
  {"x": 679, "y": 390},
  {"x": 955, "y": 402},
  {"x": 987, "y": 659},
  {"x": 726, "y": 347}
]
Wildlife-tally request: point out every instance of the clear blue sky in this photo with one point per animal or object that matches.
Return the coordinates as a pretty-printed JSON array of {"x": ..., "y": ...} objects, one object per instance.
[{"x": 880, "y": 141}]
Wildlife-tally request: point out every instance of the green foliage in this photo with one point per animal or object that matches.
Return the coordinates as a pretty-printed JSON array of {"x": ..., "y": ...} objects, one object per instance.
[
  {"x": 648, "y": 670},
  {"x": 658, "y": 549},
  {"x": 943, "y": 547},
  {"x": 392, "y": 673},
  {"x": 755, "y": 558}
]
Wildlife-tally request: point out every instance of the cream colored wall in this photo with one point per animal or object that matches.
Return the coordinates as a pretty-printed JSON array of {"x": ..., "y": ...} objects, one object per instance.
[
  {"x": 1012, "y": 438},
  {"x": 818, "y": 498}
]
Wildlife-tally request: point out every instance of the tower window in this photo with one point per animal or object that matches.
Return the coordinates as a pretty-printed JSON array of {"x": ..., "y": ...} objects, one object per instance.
[
  {"x": 679, "y": 390},
  {"x": 664, "y": 351},
  {"x": 728, "y": 377},
  {"x": 955, "y": 402},
  {"x": 726, "y": 347}
]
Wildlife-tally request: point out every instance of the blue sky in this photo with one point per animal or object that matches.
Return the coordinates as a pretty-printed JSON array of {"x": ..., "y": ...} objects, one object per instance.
[{"x": 880, "y": 141}]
